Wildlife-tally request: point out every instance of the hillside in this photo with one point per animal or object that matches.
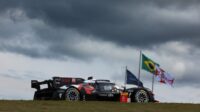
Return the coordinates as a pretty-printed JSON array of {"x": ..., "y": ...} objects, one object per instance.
[{"x": 89, "y": 106}]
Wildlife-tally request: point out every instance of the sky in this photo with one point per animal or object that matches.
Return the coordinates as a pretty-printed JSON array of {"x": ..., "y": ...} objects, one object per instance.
[{"x": 81, "y": 38}]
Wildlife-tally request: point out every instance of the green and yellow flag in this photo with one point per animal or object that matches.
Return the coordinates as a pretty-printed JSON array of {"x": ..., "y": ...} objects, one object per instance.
[{"x": 148, "y": 64}]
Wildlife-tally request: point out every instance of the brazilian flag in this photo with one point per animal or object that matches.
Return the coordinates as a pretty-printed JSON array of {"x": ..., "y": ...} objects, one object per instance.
[{"x": 148, "y": 64}]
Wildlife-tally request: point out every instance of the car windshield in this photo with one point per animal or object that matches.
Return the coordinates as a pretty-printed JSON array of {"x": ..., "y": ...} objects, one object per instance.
[{"x": 105, "y": 87}]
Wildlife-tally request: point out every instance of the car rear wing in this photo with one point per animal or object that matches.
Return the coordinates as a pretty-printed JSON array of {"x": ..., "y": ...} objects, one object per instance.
[
  {"x": 36, "y": 84},
  {"x": 57, "y": 82}
]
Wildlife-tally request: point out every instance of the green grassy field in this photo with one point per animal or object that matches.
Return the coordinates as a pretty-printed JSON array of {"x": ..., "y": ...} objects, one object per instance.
[{"x": 89, "y": 106}]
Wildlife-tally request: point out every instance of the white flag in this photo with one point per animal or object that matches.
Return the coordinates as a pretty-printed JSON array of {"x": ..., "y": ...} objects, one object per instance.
[{"x": 163, "y": 76}]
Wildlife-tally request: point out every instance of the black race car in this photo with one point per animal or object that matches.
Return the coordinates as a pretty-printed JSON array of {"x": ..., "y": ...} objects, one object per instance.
[{"x": 74, "y": 89}]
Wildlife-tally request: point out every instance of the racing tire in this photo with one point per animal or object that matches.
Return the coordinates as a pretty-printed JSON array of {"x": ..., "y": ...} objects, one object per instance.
[
  {"x": 141, "y": 96},
  {"x": 72, "y": 94}
]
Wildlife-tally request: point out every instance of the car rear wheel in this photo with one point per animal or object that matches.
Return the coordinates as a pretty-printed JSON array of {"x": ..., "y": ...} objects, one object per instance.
[
  {"x": 141, "y": 96},
  {"x": 72, "y": 94}
]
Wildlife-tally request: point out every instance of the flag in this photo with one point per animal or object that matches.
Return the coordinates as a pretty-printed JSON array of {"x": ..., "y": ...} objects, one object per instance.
[
  {"x": 148, "y": 64},
  {"x": 154, "y": 68},
  {"x": 131, "y": 79},
  {"x": 163, "y": 77}
]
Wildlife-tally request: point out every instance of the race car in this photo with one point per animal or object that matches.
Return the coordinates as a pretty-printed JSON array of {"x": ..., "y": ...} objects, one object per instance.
[{"x": 75, "y": 89}]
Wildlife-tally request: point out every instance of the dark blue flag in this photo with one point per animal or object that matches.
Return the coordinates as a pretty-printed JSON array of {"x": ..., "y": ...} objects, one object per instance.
[{"x": 131, "y": 79}]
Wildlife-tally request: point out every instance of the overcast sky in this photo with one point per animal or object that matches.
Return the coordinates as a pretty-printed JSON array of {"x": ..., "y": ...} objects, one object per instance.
[{"x": 80, "y": 38}]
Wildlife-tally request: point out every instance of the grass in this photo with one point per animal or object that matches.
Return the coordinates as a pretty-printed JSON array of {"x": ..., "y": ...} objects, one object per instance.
[{"x": 91, "y": 106}]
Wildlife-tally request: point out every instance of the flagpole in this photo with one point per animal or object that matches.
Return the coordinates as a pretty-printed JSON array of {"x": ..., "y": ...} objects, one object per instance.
[
  {"x": 153, "y": 82},
  {"x": 125, "y": 78},
  {"x": 139, "y": 67}
]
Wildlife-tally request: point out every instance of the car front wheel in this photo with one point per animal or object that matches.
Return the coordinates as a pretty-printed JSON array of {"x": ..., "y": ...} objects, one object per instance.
[
  {"x": 72, "y": 94},
  {"x": 141, "y": 96}
]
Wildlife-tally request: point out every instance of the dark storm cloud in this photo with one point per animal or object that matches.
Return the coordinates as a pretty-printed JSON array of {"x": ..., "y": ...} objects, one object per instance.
[
  {"x": 25, "y": 75},
  {"x": 136, "y": 23},
  {"x": 190, "y": 80},
  {"x": 130, "y": 22}
]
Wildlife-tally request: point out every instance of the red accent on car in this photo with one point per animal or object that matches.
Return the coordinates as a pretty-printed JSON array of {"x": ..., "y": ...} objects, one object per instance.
[
  {"x": 80, "y": 86},
  {"x": 87, "y": 87}
]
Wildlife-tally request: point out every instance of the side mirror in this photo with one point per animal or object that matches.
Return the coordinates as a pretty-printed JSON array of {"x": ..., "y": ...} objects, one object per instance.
[{"x": 90, "y": 78}]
